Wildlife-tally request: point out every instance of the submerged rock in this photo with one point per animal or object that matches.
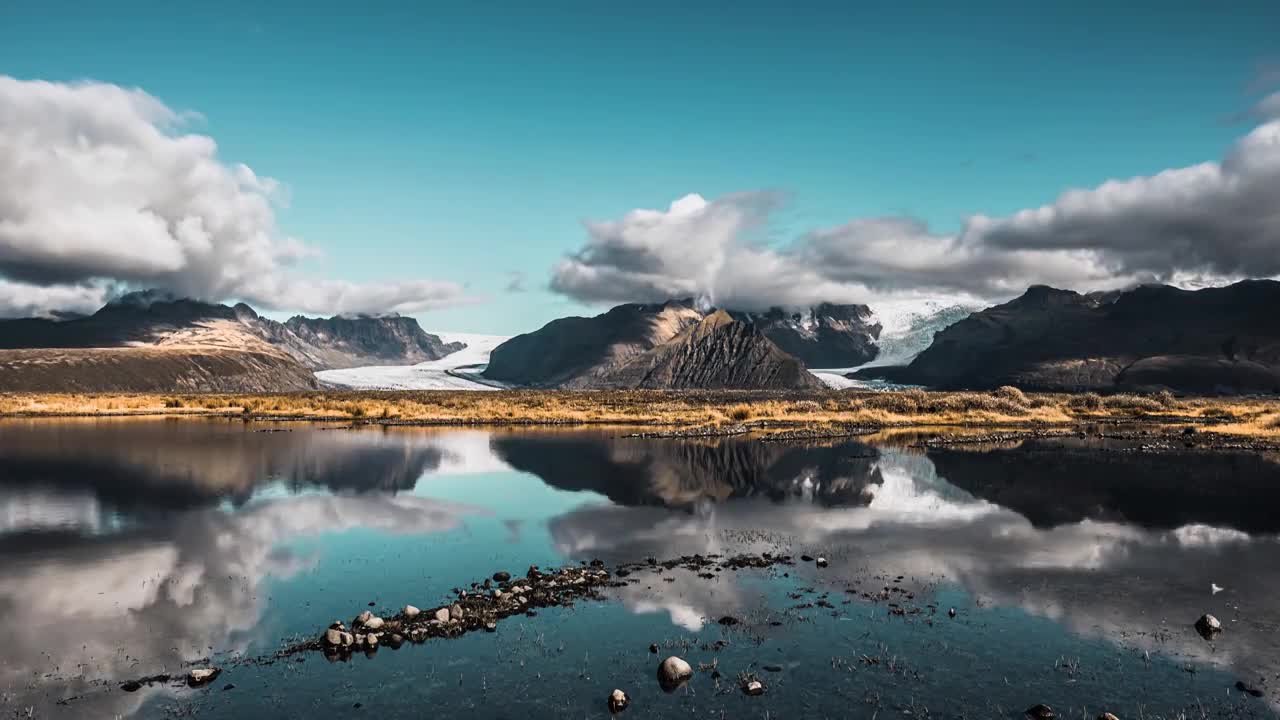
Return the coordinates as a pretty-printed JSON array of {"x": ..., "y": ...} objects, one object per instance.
[
  {"x": 618, "y": 701},
  {"x": 674, "y": 672},
  {"x": 202, "y": 676},
  {"x": 1248, "y": 689},
  {"x": 1040, "y": 712},
  {"x": 1208, "y": 626},
  {"x": 501, "y": 576},
  {"x": 653, "y": 648}
]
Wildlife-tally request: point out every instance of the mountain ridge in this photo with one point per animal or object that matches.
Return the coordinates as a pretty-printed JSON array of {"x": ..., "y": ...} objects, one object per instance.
[
  {"x": 1212, "y": 340},
  {"x": 143, "y": 340}
]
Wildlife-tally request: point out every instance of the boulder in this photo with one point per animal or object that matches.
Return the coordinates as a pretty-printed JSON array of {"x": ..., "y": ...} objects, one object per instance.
[
  {"x": 753, "y": 687},
  {"x": 1040, "y": 712},
  {"x": 411, "y": 612},
  {"x": 202, "y": 676},
  {"x": 333, "y": 637},
  {"x": 1208, "y": 626},
  {"x": 674, "y": 672},
  {"x": 455, "y": 612},
  {"x": 374, "y": 623},
  {"x": 1107, "y": 716},
  {"x": 821, "y": 562},
  {"x": 442, "y": 615},
  {"x": 618, "y": 701},
  {"x": 362, "y": 618}
]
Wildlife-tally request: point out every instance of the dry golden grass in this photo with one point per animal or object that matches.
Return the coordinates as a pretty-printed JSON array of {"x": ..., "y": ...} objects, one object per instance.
[{"x": 1003, "y": 407}]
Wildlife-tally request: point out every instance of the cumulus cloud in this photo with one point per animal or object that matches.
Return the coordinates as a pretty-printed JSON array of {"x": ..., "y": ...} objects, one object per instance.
[
  {"x": 1206, "y": 223},
  {"x": 102, "y": 186}
]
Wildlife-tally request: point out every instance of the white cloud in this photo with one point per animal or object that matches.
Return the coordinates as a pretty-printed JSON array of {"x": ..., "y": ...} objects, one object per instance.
[
  {"x": 1203, "y": 224},
  {"x": 102, "y": 185}
]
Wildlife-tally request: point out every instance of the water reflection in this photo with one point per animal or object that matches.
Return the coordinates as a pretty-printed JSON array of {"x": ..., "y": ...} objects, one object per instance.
[
  {"x": 129, "y": 547},
  {"x": 683, "y": 473}
]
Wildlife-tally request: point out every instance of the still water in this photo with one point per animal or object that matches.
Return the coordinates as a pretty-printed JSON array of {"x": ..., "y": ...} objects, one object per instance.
[{"x": 135, "y": 547}]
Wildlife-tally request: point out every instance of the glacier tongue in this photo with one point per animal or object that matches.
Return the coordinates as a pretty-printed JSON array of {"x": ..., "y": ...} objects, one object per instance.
[
  {"x": 909, "y": 327},
  {"x": 452, "y": 372}
]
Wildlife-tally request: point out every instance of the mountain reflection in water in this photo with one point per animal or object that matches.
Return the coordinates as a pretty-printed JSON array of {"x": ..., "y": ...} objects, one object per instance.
[{"x": 160, "y": 540}]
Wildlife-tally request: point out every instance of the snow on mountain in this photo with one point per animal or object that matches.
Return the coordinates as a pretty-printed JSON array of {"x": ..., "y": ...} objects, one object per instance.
[{"x": 456, "y": 371}]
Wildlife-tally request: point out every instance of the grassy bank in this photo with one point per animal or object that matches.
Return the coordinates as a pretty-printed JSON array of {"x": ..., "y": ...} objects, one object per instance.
[{"x": 1003, "y": 407}]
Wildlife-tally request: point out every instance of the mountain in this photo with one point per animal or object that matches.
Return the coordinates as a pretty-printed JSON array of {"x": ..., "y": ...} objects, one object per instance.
[
  {"x": 578, "y": 352},
  {"x": 823, "y": 336},
  {"x": 574, "y": 352},
  {"x": 1215, "y": 340},
  {"x": 149, "y": 341},
  {"x": 716, "y": 353}
]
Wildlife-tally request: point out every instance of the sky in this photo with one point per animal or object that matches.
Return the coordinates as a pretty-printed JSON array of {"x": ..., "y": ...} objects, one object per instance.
[{"x": 487, "y": 167}]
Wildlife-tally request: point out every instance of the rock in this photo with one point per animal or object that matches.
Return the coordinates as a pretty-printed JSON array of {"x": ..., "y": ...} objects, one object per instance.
[
  {"x": 455, "y": 612},
  {"x": 1208, "y": 626},
  {"x": 821, "y": 562},
  {"x": 1107, "y": 716},
  {"x": 951, "y": 612},
  {"x": 1248, "y": 689},
  {"x": 1188, "y": 431},
  {"x": 348, "y": 639},
  {"x": 772, "y": 668},
  {"x": 442, "y": 615},
  {"x": 501, "y": 576},
  {"x": 362, "y": 618},
  {"x": 729, "y": 621},
  {"x": 411, "y": 612},
  {"x": 332, "y": 637},
  {"x": 395, "y": 641},
  {"x": 374, "y": 623},
  {"x": 806, "y": 558},
  {"x": 673, "y": 672},
  {"x": 653, "y": 648},
  {"x": 491, "y": 626},
  {"x": 1040, "y": 712},
  {"x": 202, "y": 676},
  {"x": 618, "y": 701},
  {"x": 371, "y": 640},
  {"x": 753, "y": 687}
]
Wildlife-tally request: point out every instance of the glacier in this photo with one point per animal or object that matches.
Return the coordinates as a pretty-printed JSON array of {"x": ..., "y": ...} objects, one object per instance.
[
  {"x": 456, "y": 371},
  {"x": 907, "y": 328}
]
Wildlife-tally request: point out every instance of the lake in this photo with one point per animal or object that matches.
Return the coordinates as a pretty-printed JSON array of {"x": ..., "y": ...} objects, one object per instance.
[{"x": 1076, "y": 568}]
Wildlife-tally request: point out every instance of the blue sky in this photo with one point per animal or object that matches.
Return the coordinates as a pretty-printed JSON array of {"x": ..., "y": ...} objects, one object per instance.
[{"x": 466, "y": 141}]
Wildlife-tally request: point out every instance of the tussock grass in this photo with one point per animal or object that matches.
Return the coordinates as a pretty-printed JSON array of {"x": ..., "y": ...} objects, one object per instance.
[{"x": 1004, "y": 406}]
